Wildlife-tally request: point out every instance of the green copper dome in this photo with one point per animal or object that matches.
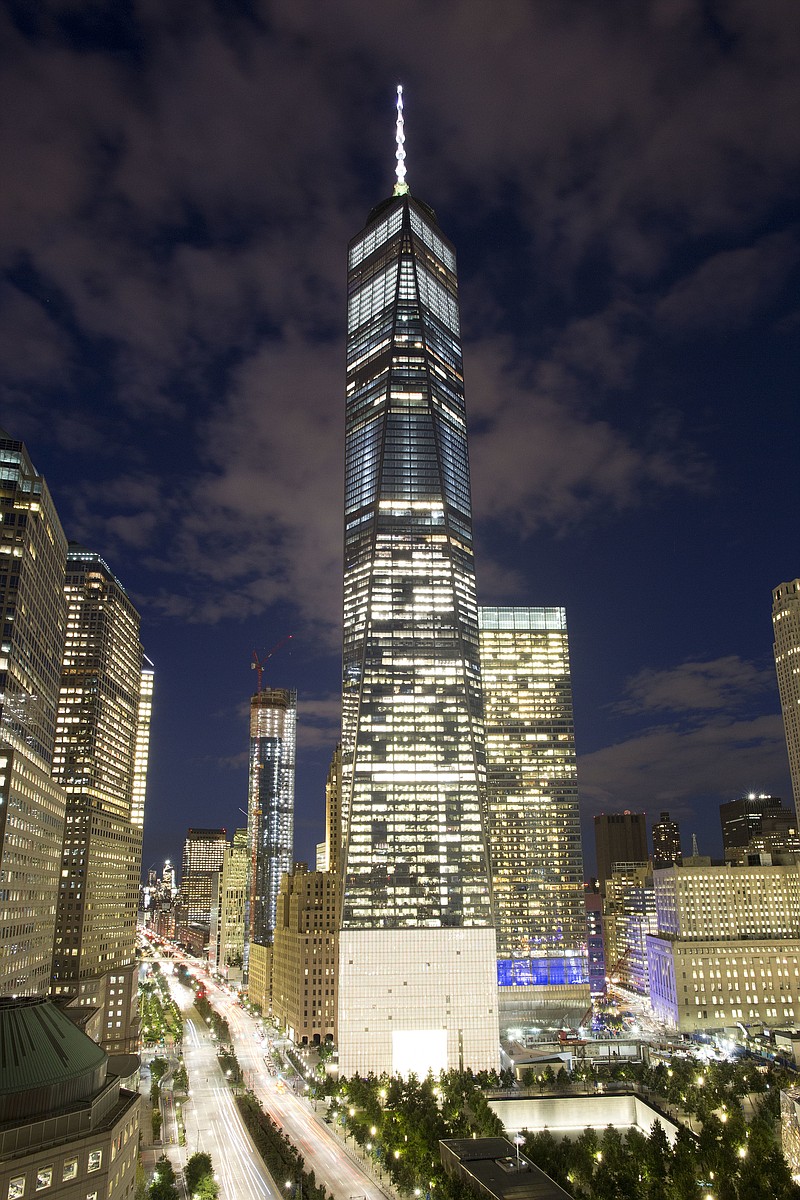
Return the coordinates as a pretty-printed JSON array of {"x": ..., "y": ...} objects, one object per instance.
[{"x": 42, "y": 1053}]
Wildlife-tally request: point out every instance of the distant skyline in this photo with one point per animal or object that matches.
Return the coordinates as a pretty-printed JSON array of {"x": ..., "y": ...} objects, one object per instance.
[{"x": 621, "y": 187}]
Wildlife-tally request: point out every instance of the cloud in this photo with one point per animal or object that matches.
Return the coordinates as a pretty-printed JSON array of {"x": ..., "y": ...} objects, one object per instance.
[
  {"x": 540, "y": 458},
  {"x": 319, "y": 721},
  {"x": 723, "y": 684},
  {"x": 667, "y": 765},
  {"x": 712, "y": 748},
  {"x": 187, "y": 206},
  {"x": 730, "y": 287},
  {"x": 33, "y": 348}
]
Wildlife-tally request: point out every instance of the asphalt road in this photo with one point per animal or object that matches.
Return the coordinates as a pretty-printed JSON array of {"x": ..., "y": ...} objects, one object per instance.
[
  {"x": 333, "y": 1164},
  {"x": 212, "y": 1120}
]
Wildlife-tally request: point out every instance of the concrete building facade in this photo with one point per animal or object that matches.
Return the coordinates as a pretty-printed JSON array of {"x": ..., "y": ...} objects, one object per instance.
[
  {"x": 68, "y": 1128},
  {"x": 727, "y": 949},
  {"x": 305, "y": 956},
  {"x": 100, "y": 760}
]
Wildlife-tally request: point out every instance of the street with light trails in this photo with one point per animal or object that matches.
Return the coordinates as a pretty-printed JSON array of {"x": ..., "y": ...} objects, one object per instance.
[{"x": 213, "y": 1119}]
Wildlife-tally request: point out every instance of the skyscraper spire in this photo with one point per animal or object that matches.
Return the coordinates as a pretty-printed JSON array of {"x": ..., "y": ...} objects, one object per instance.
[
  {"x": 401, "y": 187},
  {"x": 417, "y": 947}
]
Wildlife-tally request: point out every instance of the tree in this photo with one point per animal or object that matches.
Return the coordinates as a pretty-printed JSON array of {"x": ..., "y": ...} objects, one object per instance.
[
  {"x": 197, "y": 1166},
  {"x": 163, "y": 1185}
]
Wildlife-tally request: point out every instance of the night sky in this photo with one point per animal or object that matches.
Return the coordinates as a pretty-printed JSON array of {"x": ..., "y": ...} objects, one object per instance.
[{"x": 621, "y": 181}]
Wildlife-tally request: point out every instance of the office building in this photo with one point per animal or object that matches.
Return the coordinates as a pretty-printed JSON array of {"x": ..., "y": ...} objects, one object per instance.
[
  {"x": 532, "y": 816},
  {"x": 100, "y": 761},
  {"x": 727, "y": 950},
  {"x": 305, "y": 956},
  {"x": 629, "y": 915},
  {"x": 786, "y": 626},
  {"x": 259, "y": 977},
  {"x": 329, "y": 852},
  {"x": 619, "y": 838},
  {"x": 68, "y": 1127},
  {"x": 141, "y": 754},
  {"x": 333, "y": 814},
  {"x": 33, "y": 553},
  {"x": 595, "y": 942},
  {"x": 417, "y": 979},
  {"x": 203, "y": 854},
  {"x": 666, "y": 842},
  {"x": 226, "y": 943},
  {"x": 757, "y": 824},
  {"x": 270, "y": 820}
]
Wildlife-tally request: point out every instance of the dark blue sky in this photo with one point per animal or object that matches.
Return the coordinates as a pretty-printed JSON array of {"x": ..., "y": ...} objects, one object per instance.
[{"x": 621, "y": 183}]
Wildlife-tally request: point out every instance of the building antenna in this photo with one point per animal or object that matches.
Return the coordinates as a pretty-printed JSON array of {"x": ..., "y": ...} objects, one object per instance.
[{"x": 401, "y": 187}]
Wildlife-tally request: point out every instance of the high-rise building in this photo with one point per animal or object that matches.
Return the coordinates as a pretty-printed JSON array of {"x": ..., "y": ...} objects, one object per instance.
[
  {"x": 333, "y": 814},
  {"x": 33, "y": 552},
  {"x": 786, "y": 624},
  {"x": 666, "y": 842},
  {"x": 168, "y": 879},
  {"x": 629, "y": 915},
  {"x": 270, "y": 820},
  {"x": 100, "y": 760},
  {"x": 228, "y": 903},
  {"x": 141, "y": 755},
  {"x": 618, "y": 837},
  {"x": 595, "y": 942},
  {"x": 532, "y": 815},
  {"x": 757, "y": 824},
  {"x": 417, "y": 980},
  {"x": 203, "y": 852},
  {"x": 305, "y": 956}
]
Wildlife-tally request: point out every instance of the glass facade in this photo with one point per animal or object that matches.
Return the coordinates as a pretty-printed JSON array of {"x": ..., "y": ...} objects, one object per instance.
[
  {"x": 786, "y": 624},
  {"x": 533, "y": 820},
  {"x": 273, "y": 739},
  {"x": 412, "y": 752},
  {"x": 32, "y": 617}
]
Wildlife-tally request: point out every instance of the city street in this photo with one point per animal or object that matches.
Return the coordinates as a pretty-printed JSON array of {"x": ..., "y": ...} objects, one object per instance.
[
  {"x": 333, "y": 1164},
  {"x": 212, "y": 1120}
]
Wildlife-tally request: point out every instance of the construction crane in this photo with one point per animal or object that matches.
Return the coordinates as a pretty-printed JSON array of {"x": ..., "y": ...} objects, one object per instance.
[{"x": 258, "y": 664}]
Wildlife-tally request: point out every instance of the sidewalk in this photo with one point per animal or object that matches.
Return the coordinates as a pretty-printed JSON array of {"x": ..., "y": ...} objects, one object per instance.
[{"x": 167, "y": 1145}]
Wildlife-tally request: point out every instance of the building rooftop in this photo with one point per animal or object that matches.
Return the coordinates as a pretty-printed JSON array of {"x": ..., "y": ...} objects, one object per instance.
[
  {"x": 40, "y": 1047},
  {"x": 493, "y": 1163}
]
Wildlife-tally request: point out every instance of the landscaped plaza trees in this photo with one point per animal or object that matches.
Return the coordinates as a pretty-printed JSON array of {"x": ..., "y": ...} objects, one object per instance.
[{"x": 399, "y": 1122}]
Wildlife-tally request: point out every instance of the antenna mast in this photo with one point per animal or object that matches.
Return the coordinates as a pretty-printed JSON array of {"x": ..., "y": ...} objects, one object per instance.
[{"x": 401, "y": 187}]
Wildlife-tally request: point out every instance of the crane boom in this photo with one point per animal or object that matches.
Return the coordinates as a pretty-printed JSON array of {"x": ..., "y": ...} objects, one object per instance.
[{"x": 258, "y": 664}]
